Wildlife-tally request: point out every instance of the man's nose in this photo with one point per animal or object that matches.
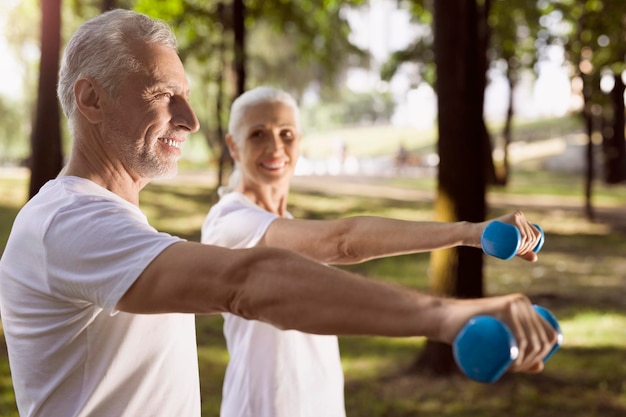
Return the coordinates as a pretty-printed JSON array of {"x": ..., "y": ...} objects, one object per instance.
[{"x": 184, "y": 117}]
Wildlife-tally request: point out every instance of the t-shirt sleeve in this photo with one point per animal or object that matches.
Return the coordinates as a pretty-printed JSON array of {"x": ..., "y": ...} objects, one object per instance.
[
  {"x": 97, "y": 250},
  {"x": 233, "y": 224}
]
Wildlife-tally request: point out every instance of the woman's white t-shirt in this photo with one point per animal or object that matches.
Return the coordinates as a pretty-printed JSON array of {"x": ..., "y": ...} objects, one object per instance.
[{"x": 271, "y": 372}]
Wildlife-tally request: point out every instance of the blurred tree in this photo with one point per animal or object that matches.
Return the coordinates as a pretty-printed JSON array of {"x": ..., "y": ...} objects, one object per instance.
[
  {"x": 510, "y": 29},
  {"x": 615, "y": 136},
  {"x": 595, "y": 44},
  {"x": 24, "y": 40},
  {"x": 348, "y": 109},
  {"x": 310, "y": 43},
  {"x": 13, "y": 125},
  {"x": 108, "y": 5},
  {"x": 461, "y": 40},
  {"x": 514, "y": 30},
  {"x": 239, "y": 37},
  {"x": 421, "y": 51},
  {"x": 460, "y": 59},
  {"x": 47, "y": 156}
]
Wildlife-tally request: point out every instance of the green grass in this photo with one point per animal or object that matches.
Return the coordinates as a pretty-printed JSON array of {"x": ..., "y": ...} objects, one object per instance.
[{"x": 580, "y": 277}]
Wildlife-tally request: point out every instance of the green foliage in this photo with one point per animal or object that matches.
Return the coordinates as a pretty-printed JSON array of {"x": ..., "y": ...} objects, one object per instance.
[
  {"x": 166, "y": 10},
  {"x": 14, "y": 131},
  {"x": 420, "y": 51},
  {"x": 593, "y": 37},
  {"x": 311, "y": 37},
  {"x": 513, "y": 25},
  {"x": 350, "y": 108},
  {"x": 514, "y": 28}
]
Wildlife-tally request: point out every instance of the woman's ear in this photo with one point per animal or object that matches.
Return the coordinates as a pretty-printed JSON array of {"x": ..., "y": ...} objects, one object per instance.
[
  {"x": 88, "y": 98},
  {"x": 232, "y": 147}
]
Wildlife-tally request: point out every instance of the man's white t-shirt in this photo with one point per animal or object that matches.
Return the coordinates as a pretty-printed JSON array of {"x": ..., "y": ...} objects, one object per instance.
[
  {"x": 74, "y": 250},
  {"x": 271, "y": 372}
]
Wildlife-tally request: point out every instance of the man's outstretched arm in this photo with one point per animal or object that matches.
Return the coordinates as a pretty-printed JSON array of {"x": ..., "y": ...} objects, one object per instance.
[{"x": 292, "y": 292}]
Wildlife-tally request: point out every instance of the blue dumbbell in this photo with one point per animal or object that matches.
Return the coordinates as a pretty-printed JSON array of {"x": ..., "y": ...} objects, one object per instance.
[
  {"x": 502, "y": 240},
  {"x": 485, "y": 347}
]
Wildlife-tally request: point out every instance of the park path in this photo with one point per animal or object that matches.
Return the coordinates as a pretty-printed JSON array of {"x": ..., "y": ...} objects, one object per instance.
[{"x": 367, "y": 186}]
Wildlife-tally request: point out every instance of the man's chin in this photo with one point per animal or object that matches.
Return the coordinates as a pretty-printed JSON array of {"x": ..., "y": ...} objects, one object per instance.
[
  {"x": 169, "y": 174},
  {"x": 166, "y": 173}
]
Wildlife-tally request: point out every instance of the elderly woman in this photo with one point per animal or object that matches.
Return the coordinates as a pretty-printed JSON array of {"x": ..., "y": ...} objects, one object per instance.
[{"x": 276, "y": 373}]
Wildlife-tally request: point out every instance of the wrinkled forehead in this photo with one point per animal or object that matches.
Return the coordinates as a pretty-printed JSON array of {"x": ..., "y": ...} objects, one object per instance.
[{"x": 161, "y": 65}]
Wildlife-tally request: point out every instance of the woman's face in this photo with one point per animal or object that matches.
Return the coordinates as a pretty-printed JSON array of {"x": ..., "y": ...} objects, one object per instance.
[{"x": 266, "y": 145}]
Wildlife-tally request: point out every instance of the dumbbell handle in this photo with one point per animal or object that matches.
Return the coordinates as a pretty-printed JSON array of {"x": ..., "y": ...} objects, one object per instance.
[
  {"x": 485, "y": 347},
  {"x": 502, "y": 240}
]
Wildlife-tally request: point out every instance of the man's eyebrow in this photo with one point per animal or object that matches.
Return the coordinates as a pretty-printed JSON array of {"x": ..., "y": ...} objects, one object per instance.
[{"x": 165, "y": 86}]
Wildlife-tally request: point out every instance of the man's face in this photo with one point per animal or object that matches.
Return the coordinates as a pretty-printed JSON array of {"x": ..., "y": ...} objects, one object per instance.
[{"x": 151, "y": 117}]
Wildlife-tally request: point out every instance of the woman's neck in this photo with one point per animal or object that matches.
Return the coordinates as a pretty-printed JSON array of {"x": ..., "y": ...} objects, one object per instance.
[{"x": 270, "y": 198}]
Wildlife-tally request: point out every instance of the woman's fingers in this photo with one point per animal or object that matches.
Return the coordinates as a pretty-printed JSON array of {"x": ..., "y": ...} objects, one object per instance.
[{"x": 529, "y": 234}]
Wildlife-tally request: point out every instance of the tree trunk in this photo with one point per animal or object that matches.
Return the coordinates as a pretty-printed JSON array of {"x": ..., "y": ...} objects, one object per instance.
[
  {"x": 615, "y": 142},
  {"x": 588, "y": 116},
  {"x": 225, "y": 157},
  {"x": 108, "y": 5},
  {"x": 589, "y": 162},
  {"x": 462, "y": 174},
  {"x": 239, "y": 27},
  {"x": 239, "y": 68},
  {"x": 502, "y": 175},
  {"x": 46, "y": 146},
  {"x": 483, "y": 36}
]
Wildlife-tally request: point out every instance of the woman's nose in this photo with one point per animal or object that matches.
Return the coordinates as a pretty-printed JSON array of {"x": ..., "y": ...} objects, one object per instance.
[{"x": 275, "y": 142}]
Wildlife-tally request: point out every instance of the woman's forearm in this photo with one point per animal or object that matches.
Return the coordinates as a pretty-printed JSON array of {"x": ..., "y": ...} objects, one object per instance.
[{"x": 358, "y": 239}]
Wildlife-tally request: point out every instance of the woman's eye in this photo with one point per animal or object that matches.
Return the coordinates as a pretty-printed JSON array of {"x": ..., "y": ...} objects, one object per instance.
[
  {"x": 256, "y": 134},
  {"x": 288, "y": 134}
]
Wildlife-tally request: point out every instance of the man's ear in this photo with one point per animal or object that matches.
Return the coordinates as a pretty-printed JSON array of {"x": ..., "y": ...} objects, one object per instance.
[
  {"x": 88, "y": 96},
  {"x": 232, "y": 147}
]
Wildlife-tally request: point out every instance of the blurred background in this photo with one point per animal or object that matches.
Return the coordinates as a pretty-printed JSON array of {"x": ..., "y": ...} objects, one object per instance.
[{"x": 423, "y": 110}]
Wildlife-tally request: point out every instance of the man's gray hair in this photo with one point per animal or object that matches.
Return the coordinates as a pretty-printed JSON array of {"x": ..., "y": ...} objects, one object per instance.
[{"x": 100, "y": 49}]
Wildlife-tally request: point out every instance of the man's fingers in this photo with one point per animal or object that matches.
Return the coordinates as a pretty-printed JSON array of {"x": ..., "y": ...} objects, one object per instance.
[{"x": 535, "y": 338}]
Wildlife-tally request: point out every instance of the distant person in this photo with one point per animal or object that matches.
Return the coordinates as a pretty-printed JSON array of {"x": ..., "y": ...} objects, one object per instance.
[
  {"x": 402, "y": 156},
  {"x": 278, "y": 373}
]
